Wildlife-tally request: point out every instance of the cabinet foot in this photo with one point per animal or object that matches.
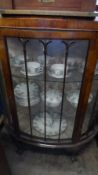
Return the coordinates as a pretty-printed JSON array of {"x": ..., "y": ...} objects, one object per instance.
[
  {"x": 74, "y": 159},
  {"x": 96, "y": 138},
  {"x": 19, "y": 146}
]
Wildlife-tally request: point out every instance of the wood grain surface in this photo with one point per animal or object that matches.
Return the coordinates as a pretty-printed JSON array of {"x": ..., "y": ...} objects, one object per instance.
[{"x": 75, "y": 5}]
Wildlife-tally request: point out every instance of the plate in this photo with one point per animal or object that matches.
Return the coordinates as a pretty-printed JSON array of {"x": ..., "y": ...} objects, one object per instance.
[
  {"x": 73, "y": 97},
  {"x": 31, "y": 74},
  {"x": 56, "y": 70},
  {"x": 33, "y": 68},
  {"x": 96, "y": 70},
  {"x": 54, "y": 75},
  {"x": 20, "y": 90},
  {"x": 52, "y": 124},
  {"x": 18, "y": 60},
  {"x": 41, "y": 59},
  {"x": 21, "y": 97},
  {"x": 25, "y": 103},
  {"x": 53, "y": 98},
  {"x": 81, "y": 68}
]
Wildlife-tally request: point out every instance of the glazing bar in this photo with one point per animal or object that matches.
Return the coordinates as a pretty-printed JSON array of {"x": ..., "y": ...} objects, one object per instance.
[
  {"x": 67, "y": 46},
  {"x": 64, "y": 79},
  {"x": 45, "y": 71},
  {"x": 45, "y": 44},
  {"x": 27, "y": 82}
]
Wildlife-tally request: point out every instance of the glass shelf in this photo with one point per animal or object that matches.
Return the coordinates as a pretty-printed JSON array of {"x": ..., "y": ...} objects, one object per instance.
[{"x": 42, "y": 80}]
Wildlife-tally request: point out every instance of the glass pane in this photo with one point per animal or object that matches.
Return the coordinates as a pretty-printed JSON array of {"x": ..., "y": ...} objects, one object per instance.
[
  {"x": 92, "y": 111},
  {"x": 73, "y": 55},
  {"x": 18, "y": 71},
  {"x": 47, "y": 77}
]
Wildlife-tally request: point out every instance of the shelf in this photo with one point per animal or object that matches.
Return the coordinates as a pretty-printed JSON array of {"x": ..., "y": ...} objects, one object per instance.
[
  {"x": 40, "y": 78},
  {"x": 49, "y": 79}
]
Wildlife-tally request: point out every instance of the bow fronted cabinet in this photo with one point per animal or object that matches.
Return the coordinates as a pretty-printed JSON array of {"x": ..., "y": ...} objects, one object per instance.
[{"x": 51, "y": 78}]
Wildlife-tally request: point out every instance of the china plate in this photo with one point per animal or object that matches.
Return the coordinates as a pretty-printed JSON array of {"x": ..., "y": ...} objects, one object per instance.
[
  {"x": 81, "y": 69},
  {"x": 20, "y": 90},
  {"x": 25, "y": 103},
  {"x": 55, "y": 76},
  {"x": 73, "y": 97},
  {"x": 59, "y": 76},
  {"x": 52, "y": 126},
  {"x": 53, "y": 98},
  {"x": 17, "y": 61}
]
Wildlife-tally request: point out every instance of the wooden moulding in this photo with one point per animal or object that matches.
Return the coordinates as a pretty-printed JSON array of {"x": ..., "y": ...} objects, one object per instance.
[
  {"x": 68, "y": 5},
  {"x": 47, "y": 13},
  {"x": 40, "y": 23}
]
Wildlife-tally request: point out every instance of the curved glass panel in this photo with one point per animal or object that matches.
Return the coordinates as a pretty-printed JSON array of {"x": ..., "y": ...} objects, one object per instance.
[{"x": 92, "y": 109}]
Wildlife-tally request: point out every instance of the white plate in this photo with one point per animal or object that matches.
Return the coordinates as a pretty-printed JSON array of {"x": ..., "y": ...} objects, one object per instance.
[
  {"x": 33, "y": 96},
  {"x": 81, "y": 68},
  {"x": 18, "y": 60},
  {"x": 68, "y": 74},
  {"x": 20, "y": 90},
  {"x": 52, "y": 126},
  {"x": 53, "y": 98},
  {"x": 34, "y": 68},
  {"x": 41, "y": 59},
  {"x": 55, "y": 76},
  {"x": 96, "y": 70},
  {"x": 73, "y": 97},
  {"x": 57, "y": 70},
  {"x": 25, "y": 103}
]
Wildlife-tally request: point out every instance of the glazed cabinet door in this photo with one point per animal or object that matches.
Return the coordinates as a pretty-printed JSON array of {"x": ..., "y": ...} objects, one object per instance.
[{"x": 51, "y": 82}]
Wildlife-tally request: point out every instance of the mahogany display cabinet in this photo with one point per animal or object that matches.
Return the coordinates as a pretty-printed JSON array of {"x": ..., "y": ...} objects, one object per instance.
[{"x": 51, "y": 78}]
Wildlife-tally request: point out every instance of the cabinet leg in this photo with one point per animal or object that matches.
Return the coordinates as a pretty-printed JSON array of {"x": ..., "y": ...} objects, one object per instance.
[
  {"x": 96, "y": 138},
  {"x": 74, "y": 158},
  {"x": 19, "y": 146}
]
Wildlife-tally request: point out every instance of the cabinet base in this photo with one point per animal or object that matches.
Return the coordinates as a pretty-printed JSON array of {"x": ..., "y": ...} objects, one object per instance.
[{"x": 65, "y": 145}]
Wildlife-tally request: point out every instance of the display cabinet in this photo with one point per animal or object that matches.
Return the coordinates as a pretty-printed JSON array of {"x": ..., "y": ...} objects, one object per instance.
[{"x": 51, "y": 77}]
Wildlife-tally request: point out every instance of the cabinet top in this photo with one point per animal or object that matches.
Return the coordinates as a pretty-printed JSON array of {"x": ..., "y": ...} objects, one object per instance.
[{"x": 53, "y": 13}]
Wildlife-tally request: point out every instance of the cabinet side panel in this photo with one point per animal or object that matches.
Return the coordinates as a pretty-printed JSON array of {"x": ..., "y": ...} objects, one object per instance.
[
  {"x": 7, "y": 77},
  {"x": 85, "y": 89}
]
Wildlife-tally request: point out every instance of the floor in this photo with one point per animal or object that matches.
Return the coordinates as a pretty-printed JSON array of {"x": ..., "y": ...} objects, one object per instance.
[{"x": 38, "y": 163}]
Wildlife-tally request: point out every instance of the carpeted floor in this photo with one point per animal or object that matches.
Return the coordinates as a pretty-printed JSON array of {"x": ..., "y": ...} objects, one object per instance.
[{"x": 38, "y": 163}]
